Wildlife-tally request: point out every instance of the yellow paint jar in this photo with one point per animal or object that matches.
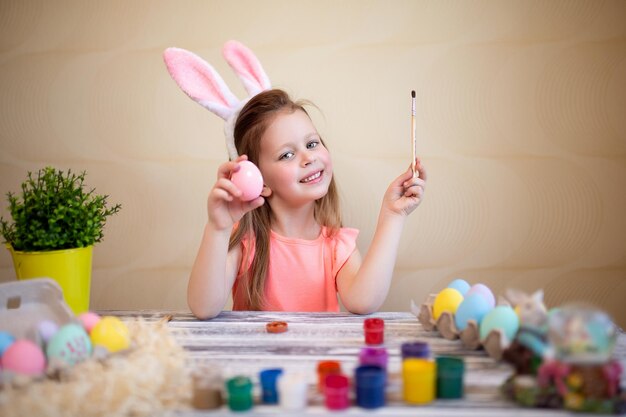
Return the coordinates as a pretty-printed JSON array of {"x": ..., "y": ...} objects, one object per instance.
[{"x": 419, "y": 378}]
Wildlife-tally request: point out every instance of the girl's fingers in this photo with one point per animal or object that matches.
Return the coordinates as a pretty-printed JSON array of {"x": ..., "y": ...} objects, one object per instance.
[
  {"x": 226, "y": 169},
  {"x": 228, "y": 187},
  {"x": 421, "y": 170},
  {"x": 415, "y": 191},
  {"x": 414, "y": 182},
  {"x": 222, "y": 194}
]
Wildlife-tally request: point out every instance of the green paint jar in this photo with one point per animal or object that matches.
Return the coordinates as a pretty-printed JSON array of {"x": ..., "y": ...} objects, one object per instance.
[{"x": 450, "y": 372}]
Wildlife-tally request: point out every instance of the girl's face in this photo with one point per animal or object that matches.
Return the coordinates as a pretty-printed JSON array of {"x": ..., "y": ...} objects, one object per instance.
[{"x": 296, "y": 166}]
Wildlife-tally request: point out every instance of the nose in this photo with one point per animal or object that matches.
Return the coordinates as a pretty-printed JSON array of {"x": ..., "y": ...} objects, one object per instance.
[{"x": 308, "y": 158}]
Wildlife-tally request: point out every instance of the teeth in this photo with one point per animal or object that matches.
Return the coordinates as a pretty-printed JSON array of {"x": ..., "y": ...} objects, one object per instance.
[{"x": 312, "y": 177}]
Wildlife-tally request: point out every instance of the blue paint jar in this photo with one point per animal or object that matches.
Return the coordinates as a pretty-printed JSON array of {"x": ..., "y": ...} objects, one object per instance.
[
  {"x": 370, "y": 386},
  {"x": 268, "y": 385}
]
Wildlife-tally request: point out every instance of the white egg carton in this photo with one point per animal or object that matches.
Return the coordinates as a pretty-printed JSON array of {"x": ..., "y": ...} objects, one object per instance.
[
  {"x": 494, "y": 344},
  {"x": 25, "y": 303}
]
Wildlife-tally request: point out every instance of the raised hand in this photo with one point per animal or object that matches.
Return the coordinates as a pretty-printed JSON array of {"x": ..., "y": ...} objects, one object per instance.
[
  {"x": 405, "y": 193},
  {"x": 224, "y": 206}
]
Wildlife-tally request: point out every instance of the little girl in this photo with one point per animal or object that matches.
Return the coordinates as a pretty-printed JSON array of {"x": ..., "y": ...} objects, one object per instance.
[{"x": 286, "y": 250}]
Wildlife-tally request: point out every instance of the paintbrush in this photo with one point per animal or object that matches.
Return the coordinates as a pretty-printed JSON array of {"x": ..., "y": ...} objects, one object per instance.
[{"x": 413, "y": 140}]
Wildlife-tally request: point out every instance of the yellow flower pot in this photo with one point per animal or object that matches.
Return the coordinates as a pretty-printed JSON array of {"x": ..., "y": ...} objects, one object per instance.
[{"x": 70, "y": 268}]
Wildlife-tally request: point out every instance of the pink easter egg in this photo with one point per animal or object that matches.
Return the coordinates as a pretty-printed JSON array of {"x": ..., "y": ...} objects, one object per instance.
[
  {"x": 89, "y": 319},
  {"x": 24, "y": 357},
  {"x": 249, "y": 180},
  {"x": 483, "y": 290}
]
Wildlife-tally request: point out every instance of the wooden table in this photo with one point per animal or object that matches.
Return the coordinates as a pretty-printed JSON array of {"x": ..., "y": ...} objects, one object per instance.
[{"x": 238, "y": 343}]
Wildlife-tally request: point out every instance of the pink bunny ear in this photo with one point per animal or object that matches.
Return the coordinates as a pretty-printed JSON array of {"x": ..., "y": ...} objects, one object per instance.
[
  {"x": 200, "y": 81},
  {"x": 247, "y": 67}
]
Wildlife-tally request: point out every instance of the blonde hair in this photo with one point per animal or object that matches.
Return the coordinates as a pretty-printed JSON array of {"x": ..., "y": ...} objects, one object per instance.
[{"x": 251, "y": 124}]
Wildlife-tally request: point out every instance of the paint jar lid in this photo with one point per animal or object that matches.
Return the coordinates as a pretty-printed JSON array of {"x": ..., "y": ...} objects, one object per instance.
[
  {"x": 328, "y": 367},
  {"x": 374, "y": 324},
  {"x": 276, "y": 327},
  {"x": 415, "y": 350}
]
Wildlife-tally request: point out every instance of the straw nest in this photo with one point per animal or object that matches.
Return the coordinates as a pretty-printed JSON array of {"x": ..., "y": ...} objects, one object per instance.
[{"x": 147, "y": 379}]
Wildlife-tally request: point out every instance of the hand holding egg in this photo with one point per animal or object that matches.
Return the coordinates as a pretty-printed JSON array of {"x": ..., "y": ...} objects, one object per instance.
[{"x": 249, "y": 180}]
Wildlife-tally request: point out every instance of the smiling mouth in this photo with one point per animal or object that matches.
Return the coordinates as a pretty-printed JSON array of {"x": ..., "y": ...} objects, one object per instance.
[{"x": 312, "y": 177}]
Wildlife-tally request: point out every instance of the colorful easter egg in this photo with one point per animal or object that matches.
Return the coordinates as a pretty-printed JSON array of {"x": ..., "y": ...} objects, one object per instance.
[
  {"x": 460, "y": 285},
  {"x": 447, "y": 300},
  {"x": 249, "y": 180},
  {"x": 70, "y": 345},
  {"x": 47, "y": 329},
  {"x": 503, "y": 318},
  {"x": 24, "y": 357},
  {"x": 6, "y": 339},
  {"x": 473, "y": 307},
  {"x": 483, "y": 290},
  {"x": 111, "y": 333},
  {"x": 89, "y": 320}
]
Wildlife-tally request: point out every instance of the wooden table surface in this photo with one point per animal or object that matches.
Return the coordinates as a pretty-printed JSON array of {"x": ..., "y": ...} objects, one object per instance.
[{"x": 238, "y": 344}]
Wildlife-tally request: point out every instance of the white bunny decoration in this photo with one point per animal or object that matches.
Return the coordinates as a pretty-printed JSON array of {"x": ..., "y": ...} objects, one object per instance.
[{"x": 199, "y": 80}]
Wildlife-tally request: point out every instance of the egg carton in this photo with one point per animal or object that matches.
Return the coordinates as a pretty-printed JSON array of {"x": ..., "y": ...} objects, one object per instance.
[
  {"x": 25, "y": 303},
  {"x": 494, "y": 344}
]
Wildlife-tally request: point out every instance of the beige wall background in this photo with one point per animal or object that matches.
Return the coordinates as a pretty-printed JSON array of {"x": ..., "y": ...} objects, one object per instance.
[{"x": 521, "y": 121}]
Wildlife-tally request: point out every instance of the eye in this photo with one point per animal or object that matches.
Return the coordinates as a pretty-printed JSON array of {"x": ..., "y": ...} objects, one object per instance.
[
  {"x": 312, "y": 144},
  {"x": 285, "y": 156}
]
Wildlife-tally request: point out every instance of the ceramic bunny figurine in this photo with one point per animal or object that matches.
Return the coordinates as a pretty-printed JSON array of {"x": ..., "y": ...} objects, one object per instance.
[{"x": 199, "y": 80}]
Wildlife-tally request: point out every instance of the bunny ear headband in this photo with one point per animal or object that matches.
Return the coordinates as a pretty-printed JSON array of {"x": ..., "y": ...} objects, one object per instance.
[{"x": 199, "y": 80}]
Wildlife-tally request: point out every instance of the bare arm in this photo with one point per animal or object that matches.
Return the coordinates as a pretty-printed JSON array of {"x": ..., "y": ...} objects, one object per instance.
[
  {"x": 215, "y": 268},
  {"x": 213, "y": 274},
  {"x": 363, "y": 284}
]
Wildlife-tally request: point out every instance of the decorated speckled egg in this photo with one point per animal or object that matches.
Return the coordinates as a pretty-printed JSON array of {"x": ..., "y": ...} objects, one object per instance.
[
  {"x": 249, "y": 180},
  {"x": 25, "y": 358},
  {"x": 111, "y": 333},
  {"x": 70, "y": 344},
  {"x": 503, "y": 318},
  {"x": 460, "y": 285},
  {"x": 473, "y": 307},
  {"x": 448, "y": 300}
]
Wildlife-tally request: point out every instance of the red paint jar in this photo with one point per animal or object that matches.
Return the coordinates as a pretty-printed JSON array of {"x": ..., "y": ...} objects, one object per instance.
[
  {"x": 337, "y": 388},
  {"x": 374, "y": 329}
]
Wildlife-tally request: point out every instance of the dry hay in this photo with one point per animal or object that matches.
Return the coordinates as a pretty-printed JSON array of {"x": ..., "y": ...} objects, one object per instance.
[{"x": 150, "y": 377}]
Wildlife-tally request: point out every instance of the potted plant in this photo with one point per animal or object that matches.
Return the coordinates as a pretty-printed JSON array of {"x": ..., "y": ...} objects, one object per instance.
[{"x": 55, "y": 223}]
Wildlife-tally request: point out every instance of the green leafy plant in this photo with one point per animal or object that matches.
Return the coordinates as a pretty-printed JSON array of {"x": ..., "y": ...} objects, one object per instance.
[{"x": 55, "y": 212}]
